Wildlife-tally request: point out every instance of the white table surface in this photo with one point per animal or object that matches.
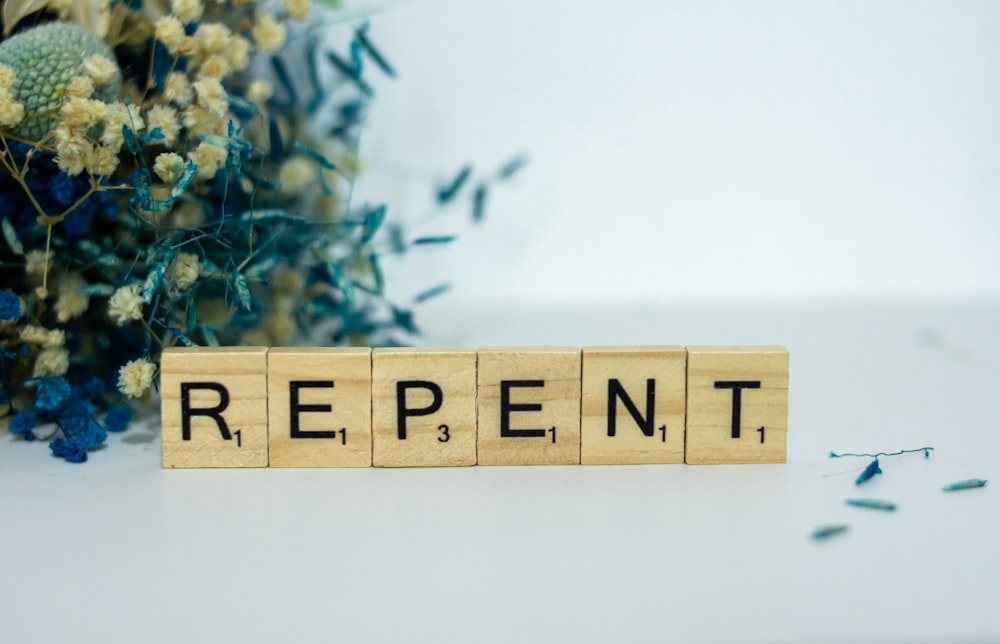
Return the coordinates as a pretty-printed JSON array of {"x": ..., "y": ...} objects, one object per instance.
[{"x": 119, "y": 550}]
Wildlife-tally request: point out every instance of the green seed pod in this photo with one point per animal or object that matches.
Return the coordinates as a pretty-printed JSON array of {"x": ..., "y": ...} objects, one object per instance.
[{"x": 44, "y": 60}]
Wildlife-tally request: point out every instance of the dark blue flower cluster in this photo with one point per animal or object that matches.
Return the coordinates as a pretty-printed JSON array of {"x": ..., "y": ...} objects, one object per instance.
[
  {"x": 73, "y": 409},
  {"x": 54, "y": 191},
  {"x": 10, "y": 305}
]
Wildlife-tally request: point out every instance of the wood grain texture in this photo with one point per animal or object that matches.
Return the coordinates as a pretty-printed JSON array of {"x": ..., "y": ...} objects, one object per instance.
[
  {"x": 554, "y": 377},
  {"x": 229, "y": 382},
  {"x": 715, "y": 374},
  {"x": 330, "y": 388},
  {"x": 633, "y": 373},
  {"x": 445, "y": 437}
]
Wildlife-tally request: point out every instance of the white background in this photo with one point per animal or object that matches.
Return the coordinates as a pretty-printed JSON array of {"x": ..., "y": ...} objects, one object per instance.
[
  {"x": 819, "y": 175},
  {"x": 697, "y": 148}
]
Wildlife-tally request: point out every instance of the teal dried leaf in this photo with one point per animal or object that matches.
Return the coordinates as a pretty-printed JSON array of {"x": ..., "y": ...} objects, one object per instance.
[
  {"x": 190, "y": 317},
  {"x": 511, "y": 168},
  {"x": 286, "y": 81},
  {"x": 277, "y": 151},
  {"x": 404, "y": 320},
  {"x": 397, "y": 242},
  {"x": 268, "y": 217},
  {"x": 155, "y": 277},
  {"x": 244, "y": 105},
  {"x": 101, "y": 290},
  {"x": 242, "y": 289},
  {"x": 825, "y": 532},
  {"x": 318, "y": 87},
  {"x": 183, "y": 337},
  {"x": 869, "y": 472},
  {"x": 373, "y": 221},
  {"x": 442, "y": 239},
  {"x": 314, "y": 155},
  {"x": 479, "y": 203},
  {"x": 189, "y": 172},
  {"x": 208, "y": 333},
  {"x": 361, "y": 36},
  {"x": 258, "y": 270},
  {"x": 232, "y": 143},
  {"x": 968, "y": 484},
  {"x": 131, "y": 143},
  {"x": 431, "y": 292},
  {"x": 872, "y": 504},
  {"x": 376, "y": 283},
  {"x": 448, "y": 191},
  {"x": 351, "y": 72},
  {"x": 10, "y": 234}
]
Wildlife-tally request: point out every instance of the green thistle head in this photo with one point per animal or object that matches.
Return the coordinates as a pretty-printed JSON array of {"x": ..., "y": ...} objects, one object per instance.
[{"x": 44, "y": 60}]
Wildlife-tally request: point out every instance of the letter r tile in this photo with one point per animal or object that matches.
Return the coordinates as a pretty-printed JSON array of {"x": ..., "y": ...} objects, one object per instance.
[
  {"x": 737, "y": 405},
  {"x": 214, "y": 406}
]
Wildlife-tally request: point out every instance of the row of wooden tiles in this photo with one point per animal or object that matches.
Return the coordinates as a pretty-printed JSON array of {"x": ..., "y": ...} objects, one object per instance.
[{"x": 399, "y": 407}]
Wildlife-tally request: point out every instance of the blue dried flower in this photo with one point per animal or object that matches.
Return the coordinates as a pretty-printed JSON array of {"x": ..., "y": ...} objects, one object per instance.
[
  {"x": 118, "y": 418},
  {"x": 71, "y": 450},
  {"x": 51, "y": 393},
  {"x": 10, "y": 305},
  {"x": 23, "y": 423}
]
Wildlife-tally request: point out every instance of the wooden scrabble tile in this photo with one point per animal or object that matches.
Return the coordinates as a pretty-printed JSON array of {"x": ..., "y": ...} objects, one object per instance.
[
  {"x": 320, "y": 407},
  {"x": 214, "y": 406},
  {"x": 529, "y": 406},
  {"x": 632, "y": 408},
  {"x": 737, "y": 404},
  {"x": 423, "y": 407}
]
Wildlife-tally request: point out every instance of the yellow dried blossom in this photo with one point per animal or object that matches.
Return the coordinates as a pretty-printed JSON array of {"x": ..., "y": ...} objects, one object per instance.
[
  {"x": 238, "y": 53},
  {"x": 164, "y": 118},
  {"x": 209, "y": 159},
  {"x": 268, "y": 33},
  {"x": 34, "y": 334},
  {"x": 11, "y": 112},
  {"x": 7, "y": 77},
  {"x": 215, "y": 66},
  {"x": 259, "y": 91},
  {"x": 35, "y": 262},
  {"x": 186, "y": 268},
  {"x": 216, "y": 313},
  {"x": 135, "y": 377},
  {"x": 100, "y": 69},
  {"x": 80, "y": 87},
  {"x": 82, "y": 113},
  {"x": 169, "y": 167},
  {"x": 73, "y": 149},
  {"x": 170, "y": 32},
  {"x": 187, "y": 214},
  {"x": 297, "y": 9},
  {"x": 103, "y": 161},
  {"x": 280, "y": 327},
  {"x": 54, "y": 339},
  {"x": 178, "y": 90},
  {"x": 71, "y": 301},
  {"x": 212, "y": 38},
  {"x": 200, "y": 121},
  {"x": 126, "y": 304},
  {"x": 187, "y": 10},
  {"x": 296, "y": 174},
  {"x": 211, "y": 96},
  {"x": 52, "y": 362},
  {"x": 118, "y": 115}
]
